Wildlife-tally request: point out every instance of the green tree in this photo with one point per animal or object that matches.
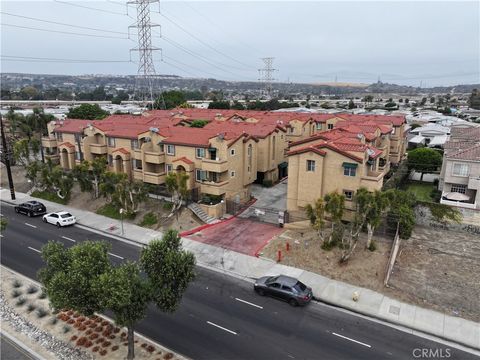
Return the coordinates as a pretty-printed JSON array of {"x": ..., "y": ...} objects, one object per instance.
[
  {"x": 169, "y": 269},
  {"x": 81, "y": 173},
  {"x": 424, "y": 160},
  {"x": 400, "y": 214},
  {"x": 351, "y": 104},
  {"x": 87, "y": 112},
  {"x": 316, "y": 214},
  {"x": 335, "y": 207},
  {"x": 70, "y": 275},
  {"x": 171, "y": 99},
  {"x": 474, "y": 99},
  {"x": 219, "y": 105},
  {"x": 373, "y": 205},
  {"x": 237, "y": 106},
  {"x": 198, "y": 123},
  {"x": 432, "y": 100},
  {"x": 127, "y": 294}
]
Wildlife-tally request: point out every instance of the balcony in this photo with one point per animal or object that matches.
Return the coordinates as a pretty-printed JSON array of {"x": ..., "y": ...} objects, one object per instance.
[
  {"x": 55, "y": 158},
  {"x": 213, "y": 188},
  {"x": 458, "y": 203},
  {"x": 49, "y": 142},
  {"x": 153, "y": 178},
  {"x": 138, "y": 174},
  {"x": 373, "y": 180},
  {"x": 217, "y": 165},
  {"x": 98, "y": 149},
  {"x": 154, "y": 157},
  {"x": 474, "y": 182},
  {"x": 137, "y": 154}
]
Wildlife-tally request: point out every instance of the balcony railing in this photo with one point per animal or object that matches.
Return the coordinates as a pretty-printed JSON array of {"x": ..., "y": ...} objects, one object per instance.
[
  {"x": 216, "y": 165},
  {"x": 458, "y": 203},
  {"x": 474, "y": 182},
  {"x": 153, "y": 178},
  {"x": 98, "y": 149},
  {"x": 49, "y": 142},
  {"x": 213, "y": 188},
  {"x": 154, "y": 157}
]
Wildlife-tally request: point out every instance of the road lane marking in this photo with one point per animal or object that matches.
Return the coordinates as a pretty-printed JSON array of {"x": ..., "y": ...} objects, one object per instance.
[
  {"x": 31, "y": 225},
  {"x": 38, "y": 251},
  {"x": 1, "y": 235},
  {"x": 117, "y": 256},
  {"x": 249, "y": 303},
  {"x": 355, "y": 341},
  {"x": 221, "y": 327},
  {"x": 67, "y": 238}
]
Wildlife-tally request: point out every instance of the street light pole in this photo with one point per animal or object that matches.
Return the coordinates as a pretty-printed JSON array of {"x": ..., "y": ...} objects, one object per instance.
[
  {"x": 121, "y": 219},
  {"x": 6, "y": 155}
]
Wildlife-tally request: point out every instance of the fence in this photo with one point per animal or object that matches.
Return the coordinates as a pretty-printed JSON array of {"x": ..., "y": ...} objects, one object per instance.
[{"x": 393, "y": 257}]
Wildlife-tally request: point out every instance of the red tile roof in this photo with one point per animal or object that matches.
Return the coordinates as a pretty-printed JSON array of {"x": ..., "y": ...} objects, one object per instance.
[
  {"x": 67, "y": 144},
  {"x": 185, "y": 160},
  {"x": 122, "y": 150}
]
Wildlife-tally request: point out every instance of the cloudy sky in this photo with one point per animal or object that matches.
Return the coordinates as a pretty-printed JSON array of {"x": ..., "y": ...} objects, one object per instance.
[{"x": 429, "y": 43}]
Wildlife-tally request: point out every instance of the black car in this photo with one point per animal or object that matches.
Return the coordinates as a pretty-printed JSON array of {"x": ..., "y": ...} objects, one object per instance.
[
  {"x": 285, "y": 288},
  {"x": 31, "y": 208}
]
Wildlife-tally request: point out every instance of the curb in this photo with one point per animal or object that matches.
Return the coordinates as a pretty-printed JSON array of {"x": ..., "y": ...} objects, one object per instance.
[{"x": 21, "y": 345}]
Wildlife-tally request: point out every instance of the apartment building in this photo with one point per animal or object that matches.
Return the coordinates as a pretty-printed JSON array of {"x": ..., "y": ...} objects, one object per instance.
[
  {"x": 343, "y": 159},
  {"x": 460, "y": 173}
]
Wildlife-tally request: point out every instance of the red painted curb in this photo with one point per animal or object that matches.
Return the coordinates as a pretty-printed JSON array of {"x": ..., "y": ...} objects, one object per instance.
[{"x": 206, "y": 226}]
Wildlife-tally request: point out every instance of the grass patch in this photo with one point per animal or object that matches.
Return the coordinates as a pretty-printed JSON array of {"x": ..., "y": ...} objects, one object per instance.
[
  {"x": 167, "y": 206},
  {"x": 45, "y": 195},
  {"x": 149, "y": 219},
  {"x": 422, "y": 191},
  {"x": 112, "y": 212}
]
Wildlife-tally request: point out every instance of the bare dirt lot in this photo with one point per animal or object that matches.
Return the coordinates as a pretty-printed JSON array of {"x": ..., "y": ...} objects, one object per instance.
[
  {"x": 440, "y": 269},
  {"x": 435, "y": 269},
  {"x": 18, "y": 174}
]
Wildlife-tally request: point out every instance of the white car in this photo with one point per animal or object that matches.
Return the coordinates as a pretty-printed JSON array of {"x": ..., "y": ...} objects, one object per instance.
[{"x": 61, "y": 218}]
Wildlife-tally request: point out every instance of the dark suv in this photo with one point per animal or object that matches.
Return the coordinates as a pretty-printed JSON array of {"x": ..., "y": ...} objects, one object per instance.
[
  {"x": 31, "y": 208},
  {"x": 285, "y": 288}
]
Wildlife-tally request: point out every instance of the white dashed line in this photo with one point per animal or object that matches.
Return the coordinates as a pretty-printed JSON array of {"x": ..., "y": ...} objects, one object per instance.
[
  {"x": 38, "y": 251},
  {"x": 355, "y": 341},
  {"x": 117, "y": 256},
  {"x": 31, "y": 225},
  {"x": 221, "y": 327},
  {"x": 1, "y": 235},
  {"x": 67, "y": 238},
  {"x": 249, "y": 303}
]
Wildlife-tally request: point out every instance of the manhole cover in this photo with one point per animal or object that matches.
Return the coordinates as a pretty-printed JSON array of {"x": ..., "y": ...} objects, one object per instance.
[{"x": 394, "y": 310}]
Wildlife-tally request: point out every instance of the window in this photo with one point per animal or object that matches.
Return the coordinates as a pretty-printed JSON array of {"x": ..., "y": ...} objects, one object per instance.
[
  {"x": 232, "y": 174},
  {"x": 290, "y": 130},
  {"x": 135, "y": 144},
  {"x": 138, "y": 164},
  {"x": 59, "y": 136},
  {"x": 110, "y": 160},
  {"x": 232, "y": 152},
  {"x": 111, "y": 142},
  {"x": 460, "y": 170},
  {"x": 170, "y": 149},
  {"x": 286, "y": 288},
  {"x": 348, "y": 194},
  {"x": 459, "y": 188},
  {"x": 168, "y": 168},
  {"x": 310, "y": 165},
  {"x": 393, "y": 130},
  {"x": 319, "y": 126},
  {"x": 200, "y": 153},
  {"x": 162, "y": 147},
  {"x": 200, "y": 175},
  {"x": 78, "y": 155},
  {"x": 349, "y": 171},
  {"x": 330, "y": 126}
]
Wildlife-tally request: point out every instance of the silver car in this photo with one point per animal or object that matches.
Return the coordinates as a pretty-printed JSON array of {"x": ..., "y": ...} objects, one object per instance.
[{"x": 284, "y": 288}]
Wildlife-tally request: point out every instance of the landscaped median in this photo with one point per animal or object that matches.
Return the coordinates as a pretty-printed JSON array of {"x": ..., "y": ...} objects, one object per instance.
[{"x": 26, "y": 316}]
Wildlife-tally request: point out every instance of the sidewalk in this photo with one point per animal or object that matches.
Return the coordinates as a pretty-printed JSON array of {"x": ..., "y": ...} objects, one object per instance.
[{"x": 369, "y": 303}]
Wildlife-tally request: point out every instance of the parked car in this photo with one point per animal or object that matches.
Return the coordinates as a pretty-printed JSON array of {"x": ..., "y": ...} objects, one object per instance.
[
  {"x": 285, "y": 288},
  {"x": 61, "y": 218},
  {"x": 31, "y": 208}
]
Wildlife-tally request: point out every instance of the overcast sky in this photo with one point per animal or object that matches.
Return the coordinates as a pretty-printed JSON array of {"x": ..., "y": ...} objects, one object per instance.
[{"x": 434, "y": 42}]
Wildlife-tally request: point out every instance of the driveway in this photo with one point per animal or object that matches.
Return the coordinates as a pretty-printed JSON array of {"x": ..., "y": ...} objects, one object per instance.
[{"x": 241, "y": 235}]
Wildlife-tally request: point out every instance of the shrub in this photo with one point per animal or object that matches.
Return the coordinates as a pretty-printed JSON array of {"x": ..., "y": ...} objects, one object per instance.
[
  {"x": 16, "y": 293},
  {"x": 53, "y": 320},
  {"x": 81, "y": 318},
  {"x": 41, "y": 313},
  {"x": 70, "y": 321},
  {"x": 144, "y": 345},
  {"x": 125, "y": 344},
  {"x": 50, "y": 196},
  {"x": 81, "y": 341},
  {"x": 73, "y": 338},
  {"x": 17, "y": 283},
  {"x": 373, "y": 246},
  {"x": 95, "y": 348},
  {"x": 87, "y": 322},
  {"x": 167, "y": 206},
  {"x": 93, "y": 336},
  {"x": 66, "y": 329},
  {"x": 114, "y": 348},
  {"x": 267, "y": 183},
  {"x": 88, "y": 332},
  {"x": 42, "y": 295},
  {"x": 103, "y": 352},
  {"x": 106, "y": 344},
  {"x": 76, "y": 315},
  {"x": 111, "y": 337},
  {"x": 92, "y": 325},
  {"x": 32, "y": 289},
  {"x": 82, "y": 327},
  {"x": 150, "y": 348},
  {"x": 105, "y": 322},
  {"x": 100, "y": 340},
  {"x": 99, "y": 328},
  {"x": 88, "y": 343},
  {"x": 31, "y": 307},
  {"x": 116, "y": 330},
  {"x": 70, "y": 312},
  {"x": 168, "y": 356},
  {"x": 21, "y": 300},
  {"x": 149, "y": 219}
]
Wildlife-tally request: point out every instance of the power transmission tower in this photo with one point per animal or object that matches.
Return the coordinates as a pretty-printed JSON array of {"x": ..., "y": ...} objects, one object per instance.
[
  {"x": 145, "y": 81},
  {"x": 266, "y": 75}
]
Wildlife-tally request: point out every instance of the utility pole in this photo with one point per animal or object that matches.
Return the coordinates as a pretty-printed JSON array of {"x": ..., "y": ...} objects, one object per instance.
[
  {"x": 144, "y": 82},
  {"x": 266, "y": 75},
  {"x": 6, "y": 155}
]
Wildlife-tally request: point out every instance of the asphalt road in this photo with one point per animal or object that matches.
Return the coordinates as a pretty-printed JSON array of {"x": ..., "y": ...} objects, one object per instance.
[
  {"x": 11, "y": 351},
  {"x": 222, "y": 318}
]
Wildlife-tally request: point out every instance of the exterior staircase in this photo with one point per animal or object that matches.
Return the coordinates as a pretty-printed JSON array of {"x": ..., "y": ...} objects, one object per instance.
[{"x": 202, "y": 215}]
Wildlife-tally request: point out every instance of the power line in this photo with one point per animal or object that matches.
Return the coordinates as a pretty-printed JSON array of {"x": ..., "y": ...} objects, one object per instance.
[
  {"x": 64, "y": 32},
  {"x": 42, "y": 59},
  {"x": 90, "y": 8},
  {"x": 165, "y": 56},
  {"x": 63, "y": 24},
  {"x": 205, "y": 44}
]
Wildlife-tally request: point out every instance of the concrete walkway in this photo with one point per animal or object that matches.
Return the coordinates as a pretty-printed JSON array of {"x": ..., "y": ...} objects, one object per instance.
[{"x": 369, "y": 303}]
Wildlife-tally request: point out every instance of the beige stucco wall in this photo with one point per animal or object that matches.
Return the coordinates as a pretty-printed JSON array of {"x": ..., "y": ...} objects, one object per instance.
[{"x": 215, "y": 211}]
